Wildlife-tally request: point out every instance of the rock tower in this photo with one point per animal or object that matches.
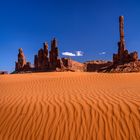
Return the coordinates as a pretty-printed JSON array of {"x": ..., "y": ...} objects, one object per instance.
[
  {"x": 53, "y": 54},
  {"x": 41, "y": 60},
  {"x": 123, "y": 56},
  {"x": 22, "y": 65}
]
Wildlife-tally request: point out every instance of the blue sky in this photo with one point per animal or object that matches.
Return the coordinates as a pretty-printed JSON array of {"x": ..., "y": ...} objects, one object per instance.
[{"x": 90, "y": 26}]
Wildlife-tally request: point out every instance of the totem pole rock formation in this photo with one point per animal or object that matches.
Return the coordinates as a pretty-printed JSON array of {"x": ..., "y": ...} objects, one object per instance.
[
  {"x": 22, "y": 65},
  {"x": 123, "y": 56},
  {"x": 123, "y": 61}
]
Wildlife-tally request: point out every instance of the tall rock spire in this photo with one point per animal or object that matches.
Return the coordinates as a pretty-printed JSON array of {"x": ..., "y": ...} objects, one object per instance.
[
  {"x": 121, "y": 28},
  {"x": 21, "y": 64},
  {"x": 123, "y": 56},
  {"x": 53, "y": 54},
  {"x": 46, "y": 58},
  {"x": 121, "y": 43},
  {"x": 21, "y": 60}
]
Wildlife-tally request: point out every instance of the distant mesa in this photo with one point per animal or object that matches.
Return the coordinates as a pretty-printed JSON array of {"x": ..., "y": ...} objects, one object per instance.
[
  {"x": 3, "y": 72},
  {"x": 96, "y": 65},
  {"x": 46, "y": 60}
]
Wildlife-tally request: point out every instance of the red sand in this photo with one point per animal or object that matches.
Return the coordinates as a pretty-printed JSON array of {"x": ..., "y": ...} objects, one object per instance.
[{"x": 70, "y": 106}]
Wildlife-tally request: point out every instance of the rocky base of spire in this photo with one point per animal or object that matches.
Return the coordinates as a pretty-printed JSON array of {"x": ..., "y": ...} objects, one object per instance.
[
  {"x": 125, "y": 57},
  {"x": 123, "y": 68}
]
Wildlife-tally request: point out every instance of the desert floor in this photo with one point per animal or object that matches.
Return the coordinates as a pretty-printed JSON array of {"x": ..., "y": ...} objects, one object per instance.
[{"x": 70, "y": 106}]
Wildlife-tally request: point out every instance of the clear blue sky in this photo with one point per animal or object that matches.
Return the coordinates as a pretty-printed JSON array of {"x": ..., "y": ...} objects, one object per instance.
[{"x": 90, "y": 26}]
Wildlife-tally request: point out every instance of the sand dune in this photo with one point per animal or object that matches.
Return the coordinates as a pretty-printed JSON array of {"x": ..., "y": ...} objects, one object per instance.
[{"x": 70, "y": 106}]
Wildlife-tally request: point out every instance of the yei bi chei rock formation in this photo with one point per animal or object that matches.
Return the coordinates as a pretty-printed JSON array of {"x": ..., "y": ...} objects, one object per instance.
[{"x": 46, "y": 60}]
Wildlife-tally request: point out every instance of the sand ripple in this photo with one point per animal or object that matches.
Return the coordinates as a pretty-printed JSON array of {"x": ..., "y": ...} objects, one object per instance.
[{"x": 70, "y": 106}]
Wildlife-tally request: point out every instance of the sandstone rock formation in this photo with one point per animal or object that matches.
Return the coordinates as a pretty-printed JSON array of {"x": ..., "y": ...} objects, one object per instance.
[
  {"x": 123, "y": 61},
  {"x": 22, "y": 65},
  {"x": 123, "y": 68},
  {"x": 41, "y": 61},
  {"x": 96, "y": 65},
  {"x": 71, "y": 65},
  {"x": 123, "y": 56},
  {"x": 54, "y": 60},
  {"x": 47, "y": 60}
]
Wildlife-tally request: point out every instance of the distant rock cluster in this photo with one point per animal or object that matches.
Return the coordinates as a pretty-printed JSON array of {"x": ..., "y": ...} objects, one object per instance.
[
  {"x": 47, "y": 60},
  {"x": 44, "y": 62}
]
